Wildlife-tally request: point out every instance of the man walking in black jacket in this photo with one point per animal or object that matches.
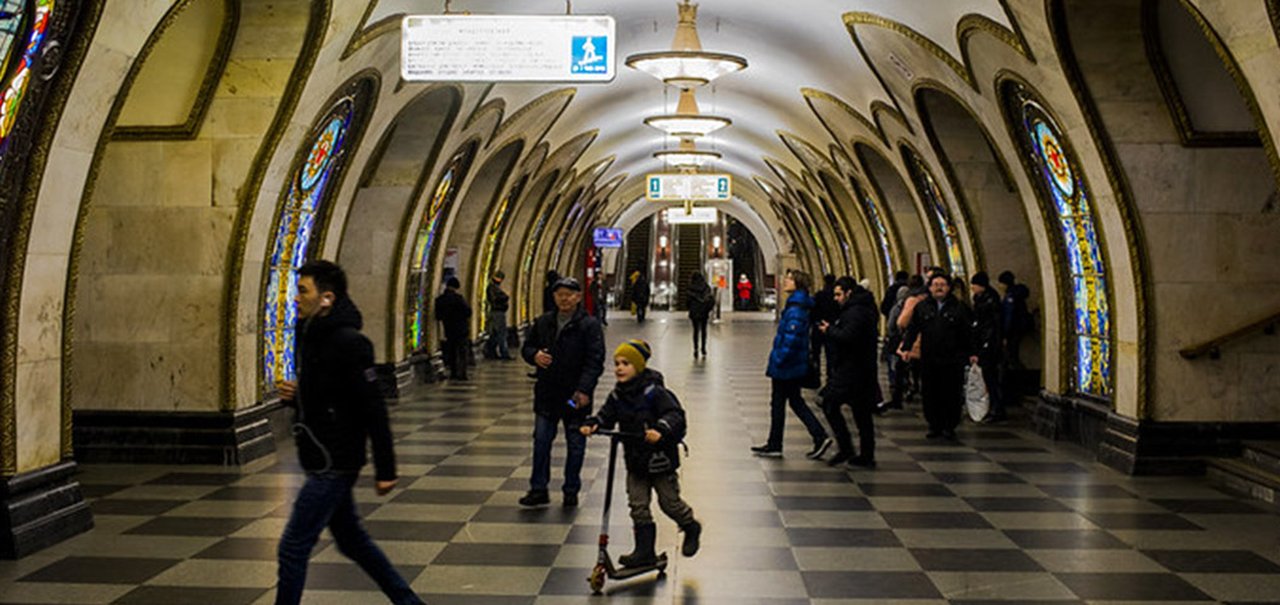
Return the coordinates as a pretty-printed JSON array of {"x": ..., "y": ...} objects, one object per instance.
[
  {"x": 852, "y": 375},
  {"x": 453, "y": 312},
  {"x": 944, "y": 326},
  {"x": 567, "y": 347},
  {"x": 337, "y": 410}
]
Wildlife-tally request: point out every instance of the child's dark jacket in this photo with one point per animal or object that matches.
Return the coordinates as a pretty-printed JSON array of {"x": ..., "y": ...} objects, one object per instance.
[{"x": 638, "y": 404}]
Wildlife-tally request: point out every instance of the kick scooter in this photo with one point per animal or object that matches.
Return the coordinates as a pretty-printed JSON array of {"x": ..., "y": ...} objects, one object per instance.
[{"x": 604, "y": 564}]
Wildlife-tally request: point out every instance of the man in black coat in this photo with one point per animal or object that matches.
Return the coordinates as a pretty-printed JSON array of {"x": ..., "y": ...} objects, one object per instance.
[
  {"x": 945, "y": 328},
  {"x": 825, "y": 309},
  {"x": 497, "y": 303},
  {"x": 338, "y": 409},
  {"x": 852, "y": 375},
  {"x": 567, "y": 347},
  {"x": 987, "y": 340},
  {"x": 640, "y": 296},
  {"x": 453, "y": 312},
  {"x": 891, "y": 293}
]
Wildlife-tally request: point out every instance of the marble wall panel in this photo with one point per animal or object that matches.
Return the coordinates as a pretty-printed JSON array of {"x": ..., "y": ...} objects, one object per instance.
[{"x": 37, "y": 413}]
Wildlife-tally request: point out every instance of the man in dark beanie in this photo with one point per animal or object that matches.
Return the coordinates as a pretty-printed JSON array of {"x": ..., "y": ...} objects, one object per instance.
[
  {"x": 567, "y": 348},
  {"x": 454, "y": 314},
  {"x": 987, "y": 340}
]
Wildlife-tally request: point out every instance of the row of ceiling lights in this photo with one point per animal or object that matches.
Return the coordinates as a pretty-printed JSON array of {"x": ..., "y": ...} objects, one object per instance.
[{"x": 687, "y": 67}]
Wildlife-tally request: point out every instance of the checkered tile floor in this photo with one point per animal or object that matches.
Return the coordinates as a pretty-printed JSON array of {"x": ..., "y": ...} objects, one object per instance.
[{"x": 1001, "y": 516}]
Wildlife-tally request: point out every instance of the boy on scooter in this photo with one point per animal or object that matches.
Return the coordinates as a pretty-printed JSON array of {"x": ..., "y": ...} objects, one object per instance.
[{"x": 641, "y": 405}]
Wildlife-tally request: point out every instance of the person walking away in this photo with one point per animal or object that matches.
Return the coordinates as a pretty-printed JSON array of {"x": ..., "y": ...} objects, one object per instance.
[
  {"x": 497, "y": 302},
  {"x": 899, "y": 370},
  {"x": 700, "y": 301},
  {"x": 852, "y": 378},
  {"x": 640, "y": 296},
  {"x": 567, "y": 349},
  {"x": 548, "y": 296},
  {"x": 944, "y": 326},
  {"x": 641, "y": 405},
  {"x": 825, "y": 309},
  {"x": 337, "y": 411},
  {"x": 891, "y": 293},
  {"x": 744, "y": 293},
  {"x": 987, "y": 341},
  {"x": 1015, "y": 318},
  {"x": 600, "y": 296},
  {"x": 454, "y": 314},
  {"x": 788, "y": 366}
]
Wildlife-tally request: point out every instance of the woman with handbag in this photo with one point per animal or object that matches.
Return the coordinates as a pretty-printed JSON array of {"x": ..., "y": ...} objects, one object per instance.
[{"x": 789, "y": 367}]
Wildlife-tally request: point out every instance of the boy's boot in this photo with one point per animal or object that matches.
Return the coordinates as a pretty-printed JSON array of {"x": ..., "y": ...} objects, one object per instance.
[
  {"x": 646, "y": 535},
  {"x": 692, "y": 538}
]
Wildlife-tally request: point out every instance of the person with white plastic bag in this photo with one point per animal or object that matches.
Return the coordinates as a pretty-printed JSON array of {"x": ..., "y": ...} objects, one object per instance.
[
  {"x": 976, "y": 401},
  {"x": 944, "y": 326}
]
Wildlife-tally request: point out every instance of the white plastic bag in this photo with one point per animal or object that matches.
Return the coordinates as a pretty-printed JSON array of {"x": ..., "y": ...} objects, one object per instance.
[{"x": 975, "y": 394}]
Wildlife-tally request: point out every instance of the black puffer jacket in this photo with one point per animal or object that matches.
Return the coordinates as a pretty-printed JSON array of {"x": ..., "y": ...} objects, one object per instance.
[
  {"x": 498, "y": 299},
  {"x": 454, "y": 313},
  {"x": 701, "y": 301},
  {"x": 986, "y": 326},
  {"x": 851, "y": 351},
  {"x": 338, "y": 401},
  {"x": 639, "y": 404},
  {"x": 577, "y": 355},
  {"x": 946, "y": 333}
]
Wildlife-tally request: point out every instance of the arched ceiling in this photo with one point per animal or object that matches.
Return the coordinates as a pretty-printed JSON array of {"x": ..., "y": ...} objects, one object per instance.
[{"x": 790, "y": 47}]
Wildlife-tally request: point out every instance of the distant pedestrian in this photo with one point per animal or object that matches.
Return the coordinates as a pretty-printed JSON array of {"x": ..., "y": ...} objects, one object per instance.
[
  {"x": 788, "y": 367},
  {"x": 1015, "y": 318},
  {"x": 548, "y": 298},
  {"x": 743, "y": 300},
  {"x": 987, "y": 341},
  {"x": 497, "y": 302},
  {"x": 700, "y": 301},
  {"x": 891, "y": 293},
  {"x": 825, "y": 310},
  {"x": 944, "y": 327},
  {"x": 640, "y": 296},
  {"x": 453, "y": 312}
]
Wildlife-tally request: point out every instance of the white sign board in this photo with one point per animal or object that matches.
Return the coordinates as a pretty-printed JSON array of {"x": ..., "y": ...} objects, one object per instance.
[
  {"x": 508, "y": 48},
  {"x": 700, "y": 216},
  {"x": 682, "y": 187}
]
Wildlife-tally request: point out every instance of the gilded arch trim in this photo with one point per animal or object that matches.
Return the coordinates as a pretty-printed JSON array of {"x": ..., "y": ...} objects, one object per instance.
[
  {"x": 190, "y": 127},
  {"x": 954, "y": 207}
]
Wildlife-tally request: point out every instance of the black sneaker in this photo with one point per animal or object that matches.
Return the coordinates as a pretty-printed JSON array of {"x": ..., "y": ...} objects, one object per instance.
[
  {"x": 819, "y": 449},
  {"x": 765, "y": 450},
  {"x": 692, "y": 539},
  {"x": 862, "y": 461},
  {"x": 838, "y": 459},
  {"x": 933, "y": 435},
  {"x": 950, "y": 435},
  {"x": 535, "y": 498},
  {"x": 570, "y": 500}
]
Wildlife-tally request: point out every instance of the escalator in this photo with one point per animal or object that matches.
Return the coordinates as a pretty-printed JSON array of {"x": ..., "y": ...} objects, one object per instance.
[
  {"x": 689, "y": 251},
  {"x": 639, "y": 247}
]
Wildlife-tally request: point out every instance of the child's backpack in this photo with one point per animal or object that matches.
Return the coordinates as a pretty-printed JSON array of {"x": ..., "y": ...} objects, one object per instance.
[{"x": 676, "y": 432}]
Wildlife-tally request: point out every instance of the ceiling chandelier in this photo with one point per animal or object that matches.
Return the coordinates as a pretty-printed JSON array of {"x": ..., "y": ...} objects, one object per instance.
[
  {"x": 686, "y": 64},
  {"x": 687, "y": 121},
  {"x": 687, "y": 155}
]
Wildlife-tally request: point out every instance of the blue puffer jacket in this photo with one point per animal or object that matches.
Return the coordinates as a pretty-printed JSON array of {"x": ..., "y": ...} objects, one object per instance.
[{"x": 789, "y": 359}]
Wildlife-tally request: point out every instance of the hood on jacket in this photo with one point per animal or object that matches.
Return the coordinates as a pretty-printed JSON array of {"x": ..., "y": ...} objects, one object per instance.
[
  {"x": 641, "y": 382},
  {"x": 861, "y": 296},
  {"x": 343, "y": 314}
]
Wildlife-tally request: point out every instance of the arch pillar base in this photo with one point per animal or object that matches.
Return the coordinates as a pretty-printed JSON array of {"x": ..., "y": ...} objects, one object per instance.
[
  {"x": 1142, "y": 447},
  {"x": 41, "y": 508},
  {"x": 233, "y": 438}
]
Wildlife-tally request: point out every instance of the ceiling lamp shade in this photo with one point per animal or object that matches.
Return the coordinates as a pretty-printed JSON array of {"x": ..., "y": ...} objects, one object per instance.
[
  {"x": 687, "y": 121},
  {"x": 686, "y": 155},
  {"x": 686, "y": 64}
]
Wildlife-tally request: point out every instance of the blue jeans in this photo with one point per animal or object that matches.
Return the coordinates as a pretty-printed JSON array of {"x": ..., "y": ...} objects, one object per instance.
[
  {"x": 326, "y": 500},
  {"x": 544, "y": 434}
]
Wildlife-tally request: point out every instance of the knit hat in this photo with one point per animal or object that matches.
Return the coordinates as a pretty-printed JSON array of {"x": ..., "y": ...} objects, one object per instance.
[
  {"x": 635, "y": 351},
  {"x": 981, "y": 279}
]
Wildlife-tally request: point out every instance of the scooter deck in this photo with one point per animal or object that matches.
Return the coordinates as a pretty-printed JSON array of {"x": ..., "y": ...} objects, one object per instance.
[{"x": 622, "y": 573}]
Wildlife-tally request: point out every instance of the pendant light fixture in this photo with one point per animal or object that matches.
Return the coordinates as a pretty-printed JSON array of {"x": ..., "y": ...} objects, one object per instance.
[
  {"x": 687, "y": 155},
  {"x": 686, "y": 65},
  {"x": 687, "y": 121}
]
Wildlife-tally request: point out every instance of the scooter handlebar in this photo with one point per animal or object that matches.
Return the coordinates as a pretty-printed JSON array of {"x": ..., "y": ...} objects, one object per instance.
[{"x": 617, "y": 434}]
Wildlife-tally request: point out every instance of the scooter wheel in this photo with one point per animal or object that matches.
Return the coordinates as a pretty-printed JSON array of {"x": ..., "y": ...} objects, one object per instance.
[{"x": 596, "y": 580}]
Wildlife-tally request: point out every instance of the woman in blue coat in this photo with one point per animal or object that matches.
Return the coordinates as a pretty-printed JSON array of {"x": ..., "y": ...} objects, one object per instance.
[{"x": 788, "y": 366}]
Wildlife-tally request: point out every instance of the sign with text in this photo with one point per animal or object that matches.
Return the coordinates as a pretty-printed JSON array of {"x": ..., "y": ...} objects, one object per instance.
[
  {"x": 699, "y": 216},
  {"x": 607, "y": 237},
  {"x": 508, "y": 48},
  {"x": 682, "y": 187}
]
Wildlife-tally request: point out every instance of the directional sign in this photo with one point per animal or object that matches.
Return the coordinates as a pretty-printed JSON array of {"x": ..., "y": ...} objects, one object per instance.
[
  {"x": 682, "y": 187},
  {"x": 699, "y": 216},
  {"x": 508, "y": 48}
]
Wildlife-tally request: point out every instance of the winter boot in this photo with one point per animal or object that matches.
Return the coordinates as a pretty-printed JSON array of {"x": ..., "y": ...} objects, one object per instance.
[
  {"x": 692, "y": 539},
  {"x": 646, "y": 535}
]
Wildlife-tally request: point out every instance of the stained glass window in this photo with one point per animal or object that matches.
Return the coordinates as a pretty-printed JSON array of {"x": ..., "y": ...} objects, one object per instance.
[
  {"x": 18, "y": 75},
  {"x": 838, "y": 228},
  {"x": 424, "y": 248},
  {"x": 872, "y": 210},
  {"x": 311, "y": 184},
  {"x": 488, "y": 261},
  {"x": 570, "y": 223},
  {"x": 809, "y": 226},
  {"x": 526, "y": 265},
  {"x": 1066, "y": 197},
  {"x": 931, "y": 194}
]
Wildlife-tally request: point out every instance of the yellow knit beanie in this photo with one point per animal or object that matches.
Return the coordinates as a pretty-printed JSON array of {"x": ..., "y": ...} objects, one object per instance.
[{"x": 635, "y": 351}]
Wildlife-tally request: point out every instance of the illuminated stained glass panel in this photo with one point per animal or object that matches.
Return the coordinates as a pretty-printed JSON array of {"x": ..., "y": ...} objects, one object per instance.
[
  {"x": 311, "y": 184},
  {"x": 526, "y": 265},
  {"x": 424, "y": 248},
  {"x": 1067, "y": 200},
  {"x": 489, "y": 260},
  {"x": 838, "y": 226},
  {"x": 872, "y": 210},
  {"x": 570, "y": 223},
  {"x": 812, "y": 229},
  {"x": 32, "y": 28},
  {"x": 934, "y": 201}
]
